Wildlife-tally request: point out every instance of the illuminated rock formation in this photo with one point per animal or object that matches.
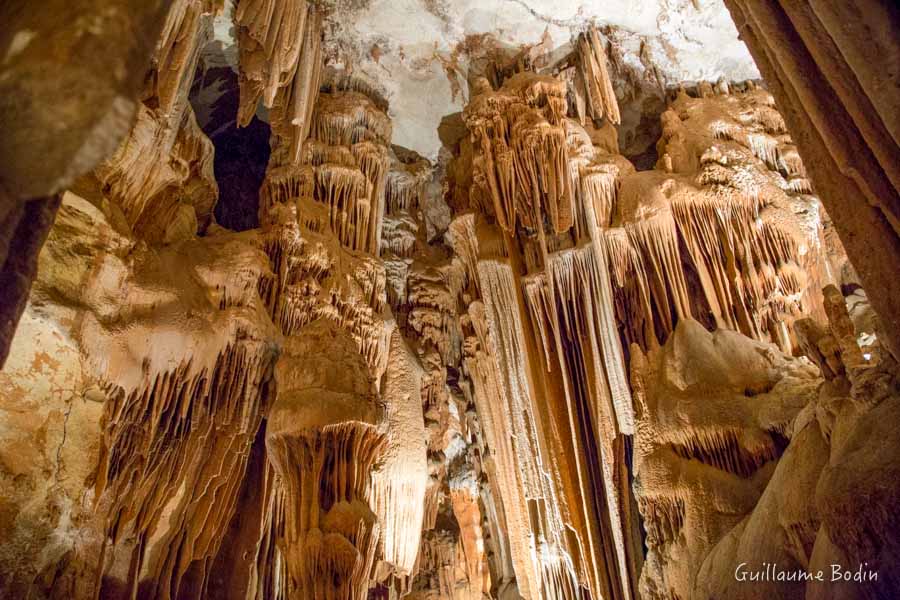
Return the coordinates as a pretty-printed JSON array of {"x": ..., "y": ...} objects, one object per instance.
[
  {"x": 323, "y": 440},
  {"x": 738, "y": 474},
  {"x": 530, "y": 335},
  {"x": 67, "y": 102},
  {"x": 715, "y": 412},
  {"x": 833, "y": 71},
  {"x": 161, "y": 177},
  {"x": 270, "y": 353},
  {"x": 322, "y": 218},
  {"x": 727, "y": 230},
  {"x": 179, "y": 358}
]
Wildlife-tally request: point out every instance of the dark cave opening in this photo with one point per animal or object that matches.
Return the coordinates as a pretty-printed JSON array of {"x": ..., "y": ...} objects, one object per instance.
[{"x": 241, "y": 153}]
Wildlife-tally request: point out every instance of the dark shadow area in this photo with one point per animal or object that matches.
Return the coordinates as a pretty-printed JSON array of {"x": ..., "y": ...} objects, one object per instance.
[
  {"x": 242, "y": 153},
  {"x": 240, "y": 167}
]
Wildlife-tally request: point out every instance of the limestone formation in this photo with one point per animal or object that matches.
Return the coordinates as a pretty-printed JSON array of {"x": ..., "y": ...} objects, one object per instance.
[
  {"x": 277, "y": 345},
  {"x": 70, "y": 81},
  {"x": 729, "y": 211},
  {"x": 161, "y": 178},
  {"x": 833, "y": 70},
  {"x": 742, "y": 476},
  {"x": 715, "y": 413}
]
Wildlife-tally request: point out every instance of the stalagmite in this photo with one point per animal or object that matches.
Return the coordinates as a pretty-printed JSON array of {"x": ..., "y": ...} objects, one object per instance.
[
  {"x": 323, "y": 440},
  {"x": 400, "y": 480},
  {"x": 323, "y": 216},
  {"x": 731, "y": 426}
]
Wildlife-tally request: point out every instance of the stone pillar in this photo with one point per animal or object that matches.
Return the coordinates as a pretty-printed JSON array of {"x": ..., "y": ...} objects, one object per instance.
[{"x": 834, "y": 69}]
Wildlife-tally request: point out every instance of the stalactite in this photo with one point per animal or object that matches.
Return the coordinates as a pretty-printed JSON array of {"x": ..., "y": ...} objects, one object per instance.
[
  {"x": 495, "y": 421},
  {"x": 166, "y": 151},
  {"x": 146, "y": 468},
  {"x": 270, "y": 35},
  {"x": 664, "y": 518},
  {"x": 629, "y": 281},
  {"x": 292, "y": 109},
  {"x": 734, "y": 232},
  {"x": 178, "y": 49},
  {"x": 523, "y": 146},
  {"x": 594, "y": 83}
]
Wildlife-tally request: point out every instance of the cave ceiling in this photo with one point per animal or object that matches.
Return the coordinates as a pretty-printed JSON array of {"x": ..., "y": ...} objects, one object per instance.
[{"x": 420, "y": 54}]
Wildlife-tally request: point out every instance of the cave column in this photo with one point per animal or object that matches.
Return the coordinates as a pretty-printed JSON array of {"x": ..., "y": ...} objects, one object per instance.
[{"x": 833, "y": 71}]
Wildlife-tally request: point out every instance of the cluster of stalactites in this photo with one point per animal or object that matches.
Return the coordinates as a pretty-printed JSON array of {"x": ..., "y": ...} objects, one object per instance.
[
  {"x": 731, "y": 238},
  {"x": 292, "y": 110},
  {"x": 322, "y": 219},
  {"x": 571, "y": 311},
  {"x": 405, "y": 185},
  {"x": 270, "y": 36},
  {"x": 761, "y": 129},
  {"x": 505, "y": 403},
  {"x": 750, "y": 272},
  {"x": 314, "y": 280},
  {"x": 402, "y": 222},
  {"x": 552, "y": 194},
  {"x": 521, "y": 160},
  {"x": 343, "y": 167},
  {"x": 281, "y": 61},
  {"x": 183, "y": 36},
  {"x": 737, "y": 241},
  {"x": 522, "y": 473},
  {"x": 184, "y": 435},
  {"x": 572, "y": 303},
  {"x": 161, "y": 176},
  {"x": 594, "y": 93},
  {"x": 329, "y": 534}
]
